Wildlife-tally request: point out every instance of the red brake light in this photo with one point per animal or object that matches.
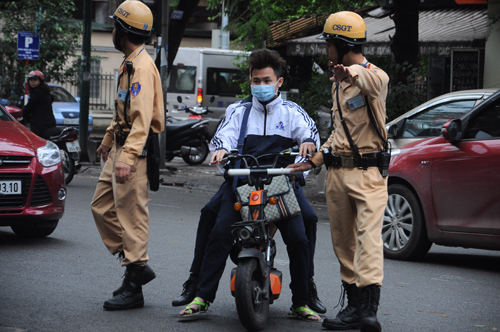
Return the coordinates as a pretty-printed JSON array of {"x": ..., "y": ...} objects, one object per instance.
[
  {"x": 71, "y": 137},
  {"x": 199, "y": 97}
]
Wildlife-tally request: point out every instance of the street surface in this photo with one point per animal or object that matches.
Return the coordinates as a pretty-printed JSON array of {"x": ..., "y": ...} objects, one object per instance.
[{"x": 59, "y": 283}]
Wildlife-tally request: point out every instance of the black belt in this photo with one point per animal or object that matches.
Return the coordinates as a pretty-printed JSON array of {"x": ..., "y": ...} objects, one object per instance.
[{"x": 367, "y": 160}]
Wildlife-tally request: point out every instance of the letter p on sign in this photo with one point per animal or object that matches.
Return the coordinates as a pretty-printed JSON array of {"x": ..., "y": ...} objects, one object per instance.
[{"x": 28, "y": 41}]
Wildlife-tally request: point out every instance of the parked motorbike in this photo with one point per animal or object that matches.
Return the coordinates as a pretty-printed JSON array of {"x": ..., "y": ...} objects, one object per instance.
[
  {"x": 188, "y": 138},
  {"x": 255, "y": 282},
  {"x": 66, "y": 138}
]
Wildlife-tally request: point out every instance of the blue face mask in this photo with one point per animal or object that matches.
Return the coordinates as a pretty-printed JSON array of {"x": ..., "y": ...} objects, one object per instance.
[{"x": 264, "y": 92}]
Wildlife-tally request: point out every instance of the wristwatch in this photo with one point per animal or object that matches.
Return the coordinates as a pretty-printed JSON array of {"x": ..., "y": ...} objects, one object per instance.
[{"x": 313, "y": 165}]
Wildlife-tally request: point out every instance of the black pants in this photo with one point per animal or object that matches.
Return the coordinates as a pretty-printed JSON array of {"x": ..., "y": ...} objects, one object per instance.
[
  {"x": 42, "y": 131},
  {"x": 214, "y": 243},
  {"x": 211, "y": 209}
]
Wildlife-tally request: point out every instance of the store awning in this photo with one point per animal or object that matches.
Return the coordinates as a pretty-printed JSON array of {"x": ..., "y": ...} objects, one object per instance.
[{"x": 440, "y": 30}]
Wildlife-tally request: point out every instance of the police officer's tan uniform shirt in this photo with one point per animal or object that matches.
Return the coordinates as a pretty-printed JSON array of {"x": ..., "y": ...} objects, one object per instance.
[
  {"x": 369, "y": 81},
  {"x": 145, "y": 109}
]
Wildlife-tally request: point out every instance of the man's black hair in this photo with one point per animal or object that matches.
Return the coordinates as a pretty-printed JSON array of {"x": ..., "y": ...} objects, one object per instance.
[{"x": 264, "y": 58}]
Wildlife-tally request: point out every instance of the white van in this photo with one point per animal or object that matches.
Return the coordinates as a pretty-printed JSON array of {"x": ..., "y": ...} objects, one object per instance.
[{"x": 199, "y": 73}]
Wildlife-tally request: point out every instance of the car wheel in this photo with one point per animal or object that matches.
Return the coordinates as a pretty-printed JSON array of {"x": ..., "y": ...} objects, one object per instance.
[
  {"x": 34, "y": 230},
  {"x": 404, "y": 232}
]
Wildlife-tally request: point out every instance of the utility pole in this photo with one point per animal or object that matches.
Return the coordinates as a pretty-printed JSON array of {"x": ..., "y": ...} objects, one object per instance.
[
  {"x": 163, "y": 54},
  {"x": 85, "y": 85},
  {"x": 224, "y": 35}
]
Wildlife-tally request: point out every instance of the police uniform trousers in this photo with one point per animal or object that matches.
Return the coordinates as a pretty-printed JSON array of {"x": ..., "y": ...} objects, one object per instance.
[
  {"x": 210, "y": 211},
  {"x": 356, "y": 200},
  {"x": 121, "y": 210},
  {"x": 220, "y": 242}
]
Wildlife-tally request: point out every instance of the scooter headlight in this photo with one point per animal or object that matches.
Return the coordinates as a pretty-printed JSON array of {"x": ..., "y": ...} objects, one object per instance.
[
  {"x": 49, "y": 155},
  {"x": 245, "y": 233}
]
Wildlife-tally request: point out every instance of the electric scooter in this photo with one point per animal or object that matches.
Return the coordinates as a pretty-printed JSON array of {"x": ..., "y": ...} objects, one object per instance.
[{"x": 255, "y": 282}]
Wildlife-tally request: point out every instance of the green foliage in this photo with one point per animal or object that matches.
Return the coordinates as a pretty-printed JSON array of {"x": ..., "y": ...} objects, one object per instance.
[
  {"x": 407, "y": 93},
  {"x": 316, "y": 96},
  {"x": 58, "y": 40},
  {"x": 250, "y": 19}
]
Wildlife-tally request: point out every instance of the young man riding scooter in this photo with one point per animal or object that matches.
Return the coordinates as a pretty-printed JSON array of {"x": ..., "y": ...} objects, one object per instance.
[{"x": 273, "y": 125}]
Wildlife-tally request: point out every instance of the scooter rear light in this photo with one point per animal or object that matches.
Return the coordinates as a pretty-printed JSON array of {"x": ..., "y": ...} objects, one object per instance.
[
  {"x": 199, "y": 97},
  {"x": 71, "y": 137}
]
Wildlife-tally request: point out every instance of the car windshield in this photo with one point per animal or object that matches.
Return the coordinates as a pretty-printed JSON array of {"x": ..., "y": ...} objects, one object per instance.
[
  {"x": 3, "y": 115},
  {"x": 485, "y": 125},
  {"x": 182, "y": 79},
  {"x": 224, "y": 81},
  {"x": 429, "y": 122},
  {"x": 61, "y": 95}
]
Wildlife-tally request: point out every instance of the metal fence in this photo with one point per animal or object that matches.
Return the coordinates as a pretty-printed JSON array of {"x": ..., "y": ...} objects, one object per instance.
[{"x": 102, "y": 91}]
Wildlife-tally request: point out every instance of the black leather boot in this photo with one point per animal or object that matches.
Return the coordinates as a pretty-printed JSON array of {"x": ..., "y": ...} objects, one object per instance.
[
  {"x": 149, "y": 275},
  {"x": 370, "y": 298},
  {"x": 131, "y": 297},
  {"x": 188, "y": 292},
  {"x": 314, "y": 302},
  {"x": 350, "y": 317}
]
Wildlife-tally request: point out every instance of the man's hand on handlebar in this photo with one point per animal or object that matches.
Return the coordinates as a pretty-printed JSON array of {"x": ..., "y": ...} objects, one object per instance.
[
  {"x": 300, "y": 167},
  {"x": 307, "y": 149},
  {"x": 217, "y": 156}
]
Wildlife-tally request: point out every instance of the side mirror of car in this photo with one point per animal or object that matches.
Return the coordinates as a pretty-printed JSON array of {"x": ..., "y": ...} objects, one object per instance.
[
  {"x": 179, "y": 99},
  {"x": 392, "y": 131},
  {"x": 452, "y": 130}
]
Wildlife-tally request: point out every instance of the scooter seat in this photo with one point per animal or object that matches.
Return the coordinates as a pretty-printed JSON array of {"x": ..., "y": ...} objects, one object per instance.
[{"x": 180, "y": 125}]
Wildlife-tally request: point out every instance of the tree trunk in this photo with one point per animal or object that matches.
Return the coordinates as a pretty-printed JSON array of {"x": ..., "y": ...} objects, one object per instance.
[
  {"x": 177, "y": 28},
  {"x": 404, "y": 44}
]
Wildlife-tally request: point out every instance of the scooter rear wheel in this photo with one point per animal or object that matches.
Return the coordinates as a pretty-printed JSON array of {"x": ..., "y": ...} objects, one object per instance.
[
  {"x": 252, "y": 306},
  {"x": 200, "y": 157},
  {"x": 68, "y": 166}
]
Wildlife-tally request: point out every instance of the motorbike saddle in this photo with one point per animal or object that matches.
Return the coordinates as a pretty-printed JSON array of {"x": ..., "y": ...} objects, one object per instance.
[{"x": 175, "y": 127}]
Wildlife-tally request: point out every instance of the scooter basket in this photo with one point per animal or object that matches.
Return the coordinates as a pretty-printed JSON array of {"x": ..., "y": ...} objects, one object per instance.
[{"x": 281, "y": 188}]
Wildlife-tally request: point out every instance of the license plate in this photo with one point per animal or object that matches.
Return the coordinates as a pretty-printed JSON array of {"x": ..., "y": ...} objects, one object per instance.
[
  {"x": 71, "y": 121},
  {"x": 73, "y": 146},
  {"x": 10, "y": 187}
]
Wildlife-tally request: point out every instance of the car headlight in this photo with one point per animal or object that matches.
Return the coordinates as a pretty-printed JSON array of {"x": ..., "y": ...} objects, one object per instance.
[
  {"x": 49, "y": 155},
  {"x": 395, "y": 152}
]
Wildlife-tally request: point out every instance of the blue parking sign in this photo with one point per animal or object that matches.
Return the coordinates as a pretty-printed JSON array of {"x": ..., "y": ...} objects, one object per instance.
[{"x": 28, "y": 45}]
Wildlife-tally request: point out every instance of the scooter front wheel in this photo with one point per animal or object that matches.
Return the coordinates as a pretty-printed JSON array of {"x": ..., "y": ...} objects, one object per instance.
[
  {"x": 68, "y": 166},
  {"x": 252, "y": 300}
]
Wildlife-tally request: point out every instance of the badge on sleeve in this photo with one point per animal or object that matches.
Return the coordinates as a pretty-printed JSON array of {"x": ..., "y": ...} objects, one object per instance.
[
  {"x": 356, "y": 102},
  {"x": 135, "y": 89}
]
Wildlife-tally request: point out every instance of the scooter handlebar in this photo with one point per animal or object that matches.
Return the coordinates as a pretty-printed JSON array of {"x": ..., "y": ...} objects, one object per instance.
[{"x": 268, "y": 171}]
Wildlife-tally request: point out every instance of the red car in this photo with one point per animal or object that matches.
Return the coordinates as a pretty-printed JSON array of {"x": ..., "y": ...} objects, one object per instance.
[
  {"x": 32, "y": 190},
  {"x": 446, "y": 190},
  {"x": 16, "y": 112}
]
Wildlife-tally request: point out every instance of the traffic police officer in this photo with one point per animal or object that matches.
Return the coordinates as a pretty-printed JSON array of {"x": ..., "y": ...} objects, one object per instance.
[
  {"x": 120, "y": 203},
  {"x": 356, "y": 190}
]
